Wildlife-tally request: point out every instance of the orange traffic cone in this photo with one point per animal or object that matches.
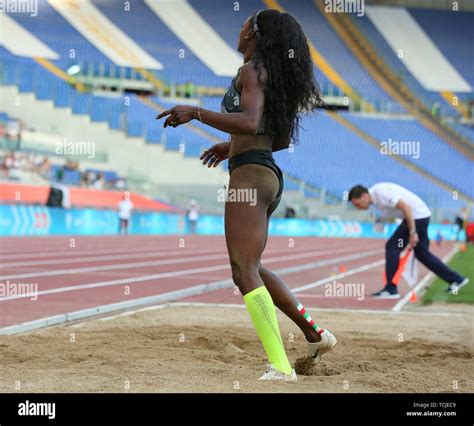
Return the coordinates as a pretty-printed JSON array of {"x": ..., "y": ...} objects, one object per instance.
[
  {"x": 463, "y": 248},
  {"x": 413, "y": 297},
  {"x": 342, "y": 268},
  {"x": 401, "y": 267}
]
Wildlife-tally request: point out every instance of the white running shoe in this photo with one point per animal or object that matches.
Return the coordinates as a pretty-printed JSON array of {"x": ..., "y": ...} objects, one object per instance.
[
  {"x": 390, "y": 291},
  {"x": 273, "y": 374},
  {"x": 455, "y": 287},
  {"x": 317, "y": 349}
]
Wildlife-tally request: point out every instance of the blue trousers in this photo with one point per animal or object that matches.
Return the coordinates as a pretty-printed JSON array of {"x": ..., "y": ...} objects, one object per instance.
[{"x": 399, "y": 240}]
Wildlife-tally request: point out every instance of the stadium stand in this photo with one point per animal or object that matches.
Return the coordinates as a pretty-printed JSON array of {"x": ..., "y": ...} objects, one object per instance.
[{"x": 325, "y": 143}]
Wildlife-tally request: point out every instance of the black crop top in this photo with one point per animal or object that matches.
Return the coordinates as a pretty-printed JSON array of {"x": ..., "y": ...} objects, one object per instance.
[{"x": 231, "y": 103}]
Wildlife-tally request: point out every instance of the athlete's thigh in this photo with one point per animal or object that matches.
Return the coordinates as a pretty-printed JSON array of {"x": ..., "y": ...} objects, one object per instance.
[
  {"x": 273, "y": 206},
  {"x": 246, "y": 219}
]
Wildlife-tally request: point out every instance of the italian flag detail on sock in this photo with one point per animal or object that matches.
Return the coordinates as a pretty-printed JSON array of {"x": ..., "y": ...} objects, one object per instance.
[{"x": 308, "y": 318}]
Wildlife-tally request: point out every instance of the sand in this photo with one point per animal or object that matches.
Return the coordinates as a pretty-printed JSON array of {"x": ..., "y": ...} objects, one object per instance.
[{"x": 215, "y": 349}]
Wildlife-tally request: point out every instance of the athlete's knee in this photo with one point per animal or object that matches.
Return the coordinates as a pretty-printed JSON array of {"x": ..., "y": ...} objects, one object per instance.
[
  {"x": 263, "y": 271},
  {"x": 236, "y": 272},
  {"x": 244, "y": 272}
]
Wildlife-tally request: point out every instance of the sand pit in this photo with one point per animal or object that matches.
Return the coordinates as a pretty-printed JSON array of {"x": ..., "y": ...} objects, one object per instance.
[{"x": 215, "y": 349}]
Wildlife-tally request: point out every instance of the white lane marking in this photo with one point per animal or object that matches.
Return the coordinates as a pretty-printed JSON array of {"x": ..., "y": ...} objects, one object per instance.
[
  {"x": 138, "y": 255},
  {"x": 80, "y": 250},
  {"x": 288, "y": 270},
  {"x": 424, "y": 281},
  {"x": 132, "y": 265},
  {"x": 157, "y": 253},
  {"x": 341, "y": 275},
  {"x": 117, "y": 246},
  {"x": 193, "y": 291}
]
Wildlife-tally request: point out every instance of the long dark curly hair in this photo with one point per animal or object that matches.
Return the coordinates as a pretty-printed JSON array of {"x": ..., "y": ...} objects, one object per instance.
[{"x": 291, "y": 88}]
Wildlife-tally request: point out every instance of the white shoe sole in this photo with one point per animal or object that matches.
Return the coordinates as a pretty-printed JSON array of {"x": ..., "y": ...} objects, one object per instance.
[
  {"x": 280, "y": 377},
  {"x": 387, "y": 296}
]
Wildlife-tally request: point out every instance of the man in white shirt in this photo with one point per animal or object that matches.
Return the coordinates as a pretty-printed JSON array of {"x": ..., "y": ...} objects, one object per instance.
[
  {"x": 193, "y": 216},
  {"x": 396, "y": 201},
  {"x": 125, "y": 208}
]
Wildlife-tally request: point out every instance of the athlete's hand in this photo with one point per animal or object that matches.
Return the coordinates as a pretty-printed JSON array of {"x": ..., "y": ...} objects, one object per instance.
[
  {"x": 180, "y": 114},
  {"x": 215, "y": 154},
  {"x": 414, "y": 239}
]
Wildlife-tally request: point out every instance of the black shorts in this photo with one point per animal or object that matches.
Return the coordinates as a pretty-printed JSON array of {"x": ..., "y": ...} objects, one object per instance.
[{"x": 257, "y": 156}]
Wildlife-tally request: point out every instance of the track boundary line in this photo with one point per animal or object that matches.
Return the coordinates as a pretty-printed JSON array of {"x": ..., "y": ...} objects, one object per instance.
[
  {"x": 344, "y": 310},
  {"x": 83, "y": 317},
  {"x": 103, "y": 309},
  {"x": 424, "y": 282}
]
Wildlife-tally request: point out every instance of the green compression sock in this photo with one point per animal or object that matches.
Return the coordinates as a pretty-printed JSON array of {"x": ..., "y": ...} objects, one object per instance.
[{"x": 262, "y": 311}]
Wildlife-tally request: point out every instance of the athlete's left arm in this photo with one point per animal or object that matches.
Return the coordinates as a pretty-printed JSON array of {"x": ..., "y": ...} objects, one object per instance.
[{"x": 408, "y": 214}]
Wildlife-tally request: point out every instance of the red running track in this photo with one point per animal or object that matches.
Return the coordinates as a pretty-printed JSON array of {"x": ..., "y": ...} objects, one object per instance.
[{"x": 75, "y": 273}]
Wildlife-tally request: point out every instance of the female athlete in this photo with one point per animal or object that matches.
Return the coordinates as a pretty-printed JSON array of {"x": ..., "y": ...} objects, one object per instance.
[{"x": 261, "y": 111}]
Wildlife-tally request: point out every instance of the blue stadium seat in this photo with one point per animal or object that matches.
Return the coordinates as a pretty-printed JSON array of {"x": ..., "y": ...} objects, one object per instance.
[{"x": 329, "y": 155}]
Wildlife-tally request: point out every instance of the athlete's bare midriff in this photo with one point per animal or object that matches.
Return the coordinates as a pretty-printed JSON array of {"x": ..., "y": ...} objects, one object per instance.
[{"x": 242, "y": 143}]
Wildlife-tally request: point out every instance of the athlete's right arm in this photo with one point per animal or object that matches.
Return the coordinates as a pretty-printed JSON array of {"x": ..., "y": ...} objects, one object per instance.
[{"x": 252, "y": 103}]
